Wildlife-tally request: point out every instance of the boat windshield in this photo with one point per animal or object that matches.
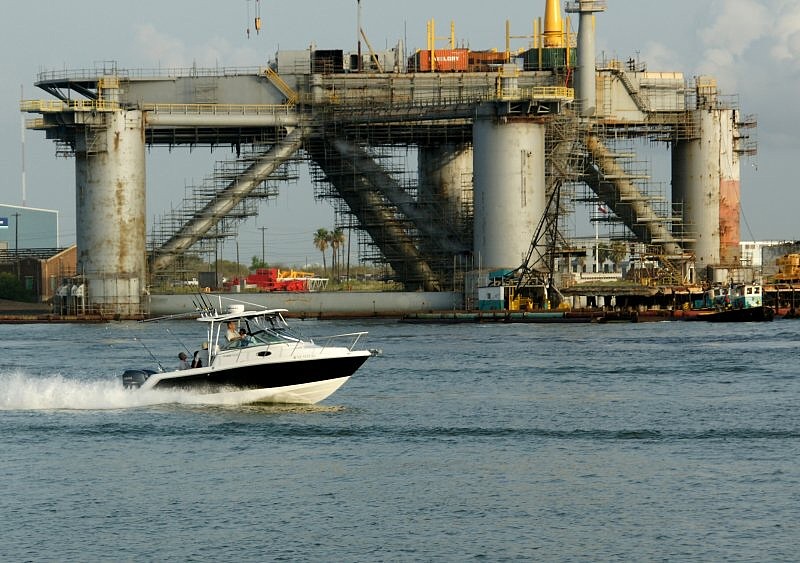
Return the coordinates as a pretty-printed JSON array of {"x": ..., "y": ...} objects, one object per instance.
[{"x": 266, "y": 329}]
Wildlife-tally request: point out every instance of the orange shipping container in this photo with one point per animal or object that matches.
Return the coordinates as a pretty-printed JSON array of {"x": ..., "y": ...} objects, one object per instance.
[
  {"x": 447, "y": 60},
  {"x": 485, "y": 61}
]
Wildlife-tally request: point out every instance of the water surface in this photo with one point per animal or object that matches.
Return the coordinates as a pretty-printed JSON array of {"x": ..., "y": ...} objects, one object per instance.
[{"x": 654, "y": 441}]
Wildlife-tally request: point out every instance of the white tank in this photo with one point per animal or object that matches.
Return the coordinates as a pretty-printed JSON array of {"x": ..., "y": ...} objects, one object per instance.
[
  {"x": 706, "y": 184},
  {"x": 110, "y": 210},
  {"x": 509, "y": 190}
]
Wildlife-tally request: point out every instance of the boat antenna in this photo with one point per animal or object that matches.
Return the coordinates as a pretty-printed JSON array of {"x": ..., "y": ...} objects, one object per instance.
[
  {"x": 185, "y": 347},
  {"x": 160, "y": 367}
]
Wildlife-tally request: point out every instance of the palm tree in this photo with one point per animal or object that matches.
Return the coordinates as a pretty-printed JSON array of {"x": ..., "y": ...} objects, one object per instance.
[
  {"x": 321, "y": 238},
  {"x": 337, "y": 241},
  {"x": 619, "y": 250}
]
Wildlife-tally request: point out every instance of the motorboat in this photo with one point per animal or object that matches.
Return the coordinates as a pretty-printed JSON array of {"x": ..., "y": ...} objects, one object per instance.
[
  {"x": 738, "y": 303},
  {"x": 254, "y": 356}
]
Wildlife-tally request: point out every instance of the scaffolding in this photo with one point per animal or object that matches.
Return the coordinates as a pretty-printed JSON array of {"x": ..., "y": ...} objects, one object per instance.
[
  {"x": 200, "y": 197},
  {"x": 364, "y": 165},
  {"x": 591, "y": 163}
]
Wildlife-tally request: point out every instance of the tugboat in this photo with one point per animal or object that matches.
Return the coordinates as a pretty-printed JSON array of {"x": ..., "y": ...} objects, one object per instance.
[
  {"x": 260, "y": 359},
  {"x": 739, "y": 303}
]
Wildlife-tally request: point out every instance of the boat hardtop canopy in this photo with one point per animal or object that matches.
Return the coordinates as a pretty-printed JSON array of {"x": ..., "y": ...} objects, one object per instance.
[{"x": 232, "y": 316}]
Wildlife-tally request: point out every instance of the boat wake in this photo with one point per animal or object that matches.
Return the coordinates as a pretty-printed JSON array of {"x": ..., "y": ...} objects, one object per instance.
[{"x": 23, "y": 391}]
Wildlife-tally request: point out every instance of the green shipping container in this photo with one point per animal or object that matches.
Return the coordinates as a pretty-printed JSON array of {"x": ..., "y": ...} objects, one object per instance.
[{"x": 551, "y": 58}]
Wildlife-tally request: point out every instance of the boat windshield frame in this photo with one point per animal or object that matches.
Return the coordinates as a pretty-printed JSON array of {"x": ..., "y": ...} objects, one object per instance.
[{"x": 262, "y": 328}]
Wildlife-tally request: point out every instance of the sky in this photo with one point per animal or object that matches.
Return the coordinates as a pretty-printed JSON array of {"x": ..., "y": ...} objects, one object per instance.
[{"x": 752, "y": 48}]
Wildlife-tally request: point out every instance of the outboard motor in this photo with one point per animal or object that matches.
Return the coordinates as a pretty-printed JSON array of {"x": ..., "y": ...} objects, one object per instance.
[{"x": 135, "y": 378}]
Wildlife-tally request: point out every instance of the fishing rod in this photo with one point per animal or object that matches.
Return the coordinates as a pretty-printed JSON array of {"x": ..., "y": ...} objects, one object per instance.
[
  {"x": 170, "y": 317},
  {"x": 185, "y": 347},
  {"x": 151, "y": 354},
  {"x": 201, "y": 306},
  {"x": 204, "y": 305}
]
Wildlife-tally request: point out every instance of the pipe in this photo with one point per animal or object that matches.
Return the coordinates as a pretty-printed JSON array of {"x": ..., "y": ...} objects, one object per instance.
[{"x": 171, "y": 120}]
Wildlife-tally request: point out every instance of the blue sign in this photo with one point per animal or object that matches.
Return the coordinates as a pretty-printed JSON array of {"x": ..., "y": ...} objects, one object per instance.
[{"x": 3, "y": 222}]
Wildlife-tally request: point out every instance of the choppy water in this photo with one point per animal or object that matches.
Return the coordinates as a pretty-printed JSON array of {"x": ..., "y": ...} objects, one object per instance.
[{"x": 665, "y": 441}]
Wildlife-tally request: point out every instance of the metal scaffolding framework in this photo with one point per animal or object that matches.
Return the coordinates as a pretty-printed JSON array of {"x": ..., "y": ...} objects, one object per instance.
[{"x": 362, "y": 135}]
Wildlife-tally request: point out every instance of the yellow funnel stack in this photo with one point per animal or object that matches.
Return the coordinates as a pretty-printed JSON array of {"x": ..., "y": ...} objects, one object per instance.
[{"x": 553, "y": 28}]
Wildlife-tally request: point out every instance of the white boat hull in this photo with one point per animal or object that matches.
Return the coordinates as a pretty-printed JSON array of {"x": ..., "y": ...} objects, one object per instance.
[
  {"x": 304, "y": 394},
  {"x": 293, "y": 382}
]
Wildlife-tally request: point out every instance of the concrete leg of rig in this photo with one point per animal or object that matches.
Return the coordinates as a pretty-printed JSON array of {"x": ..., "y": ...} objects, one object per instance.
[
  {"x": 705, "y": 183},
  {"x": 110, "y": 211},
  {"x": 445, "y": 179},
  {"x": 509, "y": 192}
]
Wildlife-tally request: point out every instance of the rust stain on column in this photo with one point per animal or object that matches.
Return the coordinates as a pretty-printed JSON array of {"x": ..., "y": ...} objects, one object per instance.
[{"x": 729, "y": 226}]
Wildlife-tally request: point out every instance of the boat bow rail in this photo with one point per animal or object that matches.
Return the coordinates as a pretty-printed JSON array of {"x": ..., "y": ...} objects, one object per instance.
[{"x": 329, "y": 341}]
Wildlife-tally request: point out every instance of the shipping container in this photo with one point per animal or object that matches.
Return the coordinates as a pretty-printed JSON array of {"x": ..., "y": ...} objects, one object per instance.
[
  {"x": 447, "y": 60},
  {"x": 550, "y": 58},
  {"x": 485, "y": 61},
  {"x": 327, "y": 61}
]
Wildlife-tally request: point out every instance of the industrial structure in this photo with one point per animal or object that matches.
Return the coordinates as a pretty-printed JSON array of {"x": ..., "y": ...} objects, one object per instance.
[{"x": 445, "y": 160}]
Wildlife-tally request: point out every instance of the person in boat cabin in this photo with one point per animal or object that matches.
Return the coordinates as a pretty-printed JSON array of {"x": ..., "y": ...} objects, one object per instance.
[
  {"x": 184, "y": 361},
  {"x": 196, "y": 361},
  {"x": 232, "y": 334},
  {"x": 243, "y": 337}
]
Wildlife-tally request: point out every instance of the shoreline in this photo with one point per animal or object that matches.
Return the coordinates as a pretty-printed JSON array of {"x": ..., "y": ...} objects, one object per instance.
[{"x": 410, "y": 307}]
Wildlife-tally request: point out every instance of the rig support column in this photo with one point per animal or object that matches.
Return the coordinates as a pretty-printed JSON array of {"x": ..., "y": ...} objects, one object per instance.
[
  {"x": 110, "y": 209},
  {"x": 445, "y": 178},
  {"x": 509, "y": 188},
  {"x": 706, "y": 183},
  {"x": 585, "y": 73}
]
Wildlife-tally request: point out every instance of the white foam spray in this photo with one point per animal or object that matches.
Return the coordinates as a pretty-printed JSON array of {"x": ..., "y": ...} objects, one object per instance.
[{"x": 22, "y": 391}]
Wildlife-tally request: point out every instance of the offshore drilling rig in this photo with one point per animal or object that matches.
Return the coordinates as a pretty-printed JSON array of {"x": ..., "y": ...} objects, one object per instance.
[{"x": 440, "y": 158}]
